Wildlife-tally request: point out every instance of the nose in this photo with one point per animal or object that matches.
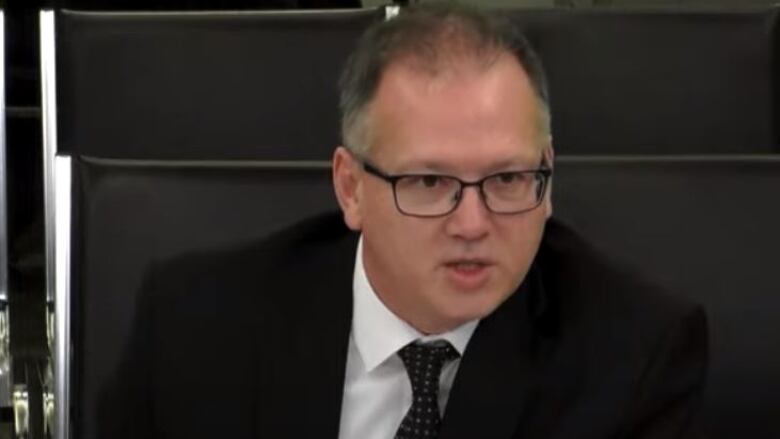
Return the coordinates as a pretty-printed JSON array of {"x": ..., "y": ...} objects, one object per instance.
[{"x": 471, "y": 219}]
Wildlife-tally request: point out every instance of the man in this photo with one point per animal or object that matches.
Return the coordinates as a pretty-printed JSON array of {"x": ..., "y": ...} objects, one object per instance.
[{"x": 450, "y": 306}]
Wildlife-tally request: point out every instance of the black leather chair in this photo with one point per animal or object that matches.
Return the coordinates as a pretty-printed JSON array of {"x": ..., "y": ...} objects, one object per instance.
[
  {"x": 703, "y": 227},
  {"x": 179, "y": 167},
  {"x": 663, "y": 81},
  {"x": 184, "y": 131}
]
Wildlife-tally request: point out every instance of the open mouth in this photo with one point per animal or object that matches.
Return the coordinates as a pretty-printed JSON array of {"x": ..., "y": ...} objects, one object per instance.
[{"x": 468, "y": 273}]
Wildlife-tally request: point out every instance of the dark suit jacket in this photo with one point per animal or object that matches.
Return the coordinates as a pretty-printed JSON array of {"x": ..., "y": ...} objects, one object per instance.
[{"x": 252, "y": 343}]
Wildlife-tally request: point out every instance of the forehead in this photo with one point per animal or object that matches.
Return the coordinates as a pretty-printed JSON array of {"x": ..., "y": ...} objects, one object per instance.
[{"x": 469, "y": 113}]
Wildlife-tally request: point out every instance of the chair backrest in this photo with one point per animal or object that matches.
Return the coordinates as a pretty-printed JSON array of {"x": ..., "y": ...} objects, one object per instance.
[
  {"x": 706, "y": 228},
  {"x": 181, "y": 129},
  {"x": 203, "y": 85},
  {"x": 664, "y": 81}
]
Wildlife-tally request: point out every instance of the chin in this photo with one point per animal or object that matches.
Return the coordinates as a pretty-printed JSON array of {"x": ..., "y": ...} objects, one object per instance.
[{"x": 471, "y": 311}]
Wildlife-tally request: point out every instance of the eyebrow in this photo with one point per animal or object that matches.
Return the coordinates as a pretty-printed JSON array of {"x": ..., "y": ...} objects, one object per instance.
[
  {"x": 515, "y": 165},
  {"x": 506, "y": 165},
  {"x": 426, "y": 168}
]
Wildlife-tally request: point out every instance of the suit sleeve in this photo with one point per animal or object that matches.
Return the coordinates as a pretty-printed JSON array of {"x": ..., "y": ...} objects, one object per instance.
[{"x": 671, "y": 387}]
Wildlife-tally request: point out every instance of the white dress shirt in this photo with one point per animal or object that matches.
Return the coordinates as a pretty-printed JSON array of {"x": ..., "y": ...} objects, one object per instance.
[{"x": 377, "y": 390}]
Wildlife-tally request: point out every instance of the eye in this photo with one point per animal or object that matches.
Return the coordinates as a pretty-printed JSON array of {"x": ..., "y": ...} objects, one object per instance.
[
  {"x": 430, "y": 181},
  {"x": 507, "y": 177}
]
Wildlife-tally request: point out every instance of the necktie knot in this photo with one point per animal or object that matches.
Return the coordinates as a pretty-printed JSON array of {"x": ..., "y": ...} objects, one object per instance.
[{"x": 424, "y": 362}]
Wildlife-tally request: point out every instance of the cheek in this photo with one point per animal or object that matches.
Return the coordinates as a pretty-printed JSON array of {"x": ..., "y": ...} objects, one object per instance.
[
  {"x": 408, "y": 245},
  {"x": 521, "y": 239},
  {"x": 384, "y": 226},
  {"x": 376, "y": 201}
]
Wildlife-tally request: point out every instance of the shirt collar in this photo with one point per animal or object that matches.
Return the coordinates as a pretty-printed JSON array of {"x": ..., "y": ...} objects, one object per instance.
[{"x": 378, "y": 333}]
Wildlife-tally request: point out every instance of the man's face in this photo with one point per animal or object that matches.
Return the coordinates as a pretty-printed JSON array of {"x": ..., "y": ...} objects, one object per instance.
[{"x": 469, "y": 122}]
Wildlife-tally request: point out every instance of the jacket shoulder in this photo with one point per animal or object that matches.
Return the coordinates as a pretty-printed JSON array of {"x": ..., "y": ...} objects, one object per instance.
[
  {"x": 259, "y": 259},
  {"x": 586, "y": 285}
]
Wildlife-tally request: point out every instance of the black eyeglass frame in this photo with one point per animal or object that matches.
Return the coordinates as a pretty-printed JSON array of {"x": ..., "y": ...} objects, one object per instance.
[{"x": 543, "y": 171}]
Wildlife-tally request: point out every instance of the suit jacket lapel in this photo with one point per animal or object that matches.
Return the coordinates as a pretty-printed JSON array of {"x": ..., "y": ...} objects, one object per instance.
[{"x": 496, "y": 375}]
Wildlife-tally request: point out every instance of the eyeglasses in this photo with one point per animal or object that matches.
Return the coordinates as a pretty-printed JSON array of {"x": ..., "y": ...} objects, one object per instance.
[{"x": 434, "y": 195}]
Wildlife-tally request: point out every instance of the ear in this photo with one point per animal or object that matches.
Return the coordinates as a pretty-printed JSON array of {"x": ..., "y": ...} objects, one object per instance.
[
  {"x": 549, "y": 159},
  {"x": 347, "y": 184}
]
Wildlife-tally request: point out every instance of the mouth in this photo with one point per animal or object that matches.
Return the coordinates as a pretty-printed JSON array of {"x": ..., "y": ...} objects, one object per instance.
[
  {"x": 467, "y": 265},
  {"x": 468, "y": 274}
]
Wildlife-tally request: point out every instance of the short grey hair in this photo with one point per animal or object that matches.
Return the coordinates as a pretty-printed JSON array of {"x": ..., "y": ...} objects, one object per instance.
[{"x": 432, "y": 35}]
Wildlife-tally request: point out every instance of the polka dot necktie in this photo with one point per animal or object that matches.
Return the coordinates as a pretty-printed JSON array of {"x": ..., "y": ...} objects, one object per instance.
[{"x": 423, "y": 364}]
